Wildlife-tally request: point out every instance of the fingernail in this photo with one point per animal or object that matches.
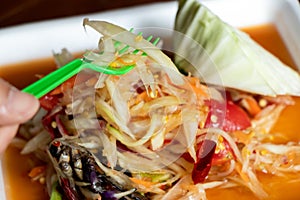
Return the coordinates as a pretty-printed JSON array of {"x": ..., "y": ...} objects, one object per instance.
[{"x": 21, "y": 104}]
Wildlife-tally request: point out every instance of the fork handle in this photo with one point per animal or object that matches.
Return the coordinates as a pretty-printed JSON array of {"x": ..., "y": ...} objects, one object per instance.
[
  {"x": 57, "y": 77},
  {"x": 54, "y": 79}
]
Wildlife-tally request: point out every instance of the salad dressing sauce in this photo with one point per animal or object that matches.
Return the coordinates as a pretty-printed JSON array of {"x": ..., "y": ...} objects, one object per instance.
[
  {"x": 277, "y": 187},
  {"x": 16, "y": 167}
]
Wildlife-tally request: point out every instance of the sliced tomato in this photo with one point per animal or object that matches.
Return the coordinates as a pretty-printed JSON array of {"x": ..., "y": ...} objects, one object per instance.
[
  {"x": 227, "y": 116},
  {"x": 223, "y": 153},
  {"x": 236, "y": 118}
]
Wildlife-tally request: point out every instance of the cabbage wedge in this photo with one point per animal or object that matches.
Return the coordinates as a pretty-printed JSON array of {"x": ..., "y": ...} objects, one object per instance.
[{"x": 234, "y": 60}]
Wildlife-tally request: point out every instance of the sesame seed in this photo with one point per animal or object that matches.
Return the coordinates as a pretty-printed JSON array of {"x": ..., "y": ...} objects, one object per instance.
[
  {"x": 54, "y": 124},
  {"x": 262, "y": 103},
  {"x": 214, "y": 118}
]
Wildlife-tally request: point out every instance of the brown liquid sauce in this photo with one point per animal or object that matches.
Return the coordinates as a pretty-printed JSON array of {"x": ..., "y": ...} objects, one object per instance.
[{"x": 16, "y": 167}]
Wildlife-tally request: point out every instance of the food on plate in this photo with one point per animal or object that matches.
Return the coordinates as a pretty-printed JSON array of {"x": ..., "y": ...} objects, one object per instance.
[{"x": 154, "y": 133}]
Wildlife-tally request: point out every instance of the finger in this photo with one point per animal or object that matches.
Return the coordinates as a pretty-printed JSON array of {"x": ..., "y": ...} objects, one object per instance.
[
  {"x": 15, "y": 106},
  {"x": 7, "y": 133}
]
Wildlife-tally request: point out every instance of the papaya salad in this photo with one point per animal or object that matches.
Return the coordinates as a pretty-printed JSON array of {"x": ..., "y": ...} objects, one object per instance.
[{"x": 154, "y": 132}]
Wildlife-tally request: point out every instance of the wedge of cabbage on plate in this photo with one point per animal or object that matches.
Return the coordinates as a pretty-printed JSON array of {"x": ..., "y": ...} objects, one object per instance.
[{"x": 227, "y": 55}]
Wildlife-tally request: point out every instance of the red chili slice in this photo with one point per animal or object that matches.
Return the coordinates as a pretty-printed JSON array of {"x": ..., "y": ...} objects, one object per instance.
[
  {"x": 48, "y": 102},
  {"x": 204, "y": 161},
  {"x": 69, "y": 192}
]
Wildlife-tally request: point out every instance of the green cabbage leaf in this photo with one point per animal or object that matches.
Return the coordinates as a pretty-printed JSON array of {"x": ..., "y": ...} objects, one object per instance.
[{"x": 227, "y": 56}]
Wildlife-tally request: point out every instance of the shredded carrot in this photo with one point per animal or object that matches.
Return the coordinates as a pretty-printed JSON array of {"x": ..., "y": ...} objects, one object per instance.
[
  {"x": 124, "y": 62},
  {"x": 140, "y": 97},
  {"x": 242, "y": 137},
  {"x": 244, "y": 176},
  {"x": 251, "y": 105},
  {"x": 197, "y": 87},
  {"x": 67, "y": 84},
  {"x": 145, "y": 184},
  {"x": 36, "y": 171},
  {"x": 115, "y": 78}
]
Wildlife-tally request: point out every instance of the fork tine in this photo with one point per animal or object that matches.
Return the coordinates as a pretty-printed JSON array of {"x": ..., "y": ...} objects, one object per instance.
[
  {"x": 148, "y": 39},
  {"x": 156, "y": 41},
  {"x": 118, "y": 43},
  {"x": 124, "y": 49}
]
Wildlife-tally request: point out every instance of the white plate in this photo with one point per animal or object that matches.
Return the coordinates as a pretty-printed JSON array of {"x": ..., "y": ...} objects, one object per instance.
[{"x": 38, "y": 40}]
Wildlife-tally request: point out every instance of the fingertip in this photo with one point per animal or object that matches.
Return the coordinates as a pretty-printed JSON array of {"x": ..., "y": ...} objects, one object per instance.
[
  {"x": 22, "y": 104},
  {"x": 15, "y": 106}
]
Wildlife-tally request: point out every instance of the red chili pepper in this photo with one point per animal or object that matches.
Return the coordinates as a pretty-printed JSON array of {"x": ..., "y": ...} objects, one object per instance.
[
  {"x": 69, "y": 192},
  {"x": 204, "y": 160},
  {"x": 48, "y": 121},
  {"x": 48, "y": 102},
  {"x": 227, "y": 116},
  {"x": 223, "y": 154}
]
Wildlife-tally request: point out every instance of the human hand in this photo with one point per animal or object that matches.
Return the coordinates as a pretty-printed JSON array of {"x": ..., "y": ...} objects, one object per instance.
[{"x": 16, "y": 107}]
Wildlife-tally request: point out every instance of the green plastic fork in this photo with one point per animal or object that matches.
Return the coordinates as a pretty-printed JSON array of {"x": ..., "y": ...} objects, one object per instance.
[{"x": 57, "y": 77}]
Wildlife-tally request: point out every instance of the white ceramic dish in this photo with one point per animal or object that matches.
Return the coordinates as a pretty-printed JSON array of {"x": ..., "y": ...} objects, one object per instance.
[{"x": 38, "y": 40}]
